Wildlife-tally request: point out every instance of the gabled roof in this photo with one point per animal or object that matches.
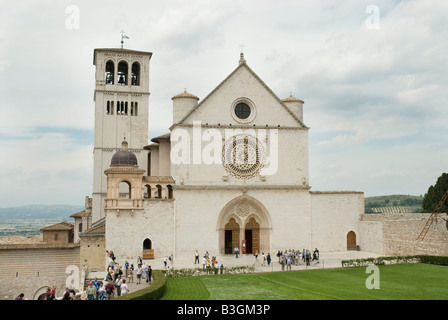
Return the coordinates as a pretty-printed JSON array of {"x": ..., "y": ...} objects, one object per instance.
[
  {"x": 62, "y": 226},
  {"x": 165, "y": 136},
  {"x": 243, "y": 64},
  {"x": 80, "y": 214}
]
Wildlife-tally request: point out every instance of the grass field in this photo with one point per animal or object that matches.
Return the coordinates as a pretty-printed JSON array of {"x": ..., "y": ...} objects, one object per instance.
[{"x": 397, "y": 282}]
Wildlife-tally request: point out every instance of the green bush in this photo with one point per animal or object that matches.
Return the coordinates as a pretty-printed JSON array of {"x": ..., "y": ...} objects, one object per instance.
[
  {"x": 154, "y": 292},
  {"x": 434, "y": 260},
  {"x": 395, "y": 260}
]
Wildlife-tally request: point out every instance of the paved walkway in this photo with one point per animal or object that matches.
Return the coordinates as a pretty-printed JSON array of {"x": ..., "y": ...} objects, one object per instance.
[{"x": 327, "y": 260}]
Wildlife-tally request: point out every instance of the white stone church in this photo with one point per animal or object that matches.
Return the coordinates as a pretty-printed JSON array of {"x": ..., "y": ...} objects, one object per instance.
[{"x": 231, "y": 171}]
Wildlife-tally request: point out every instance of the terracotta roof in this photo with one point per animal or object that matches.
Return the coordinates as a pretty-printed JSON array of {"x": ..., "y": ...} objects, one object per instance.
[
  {"x": 185, "y": 94},
  {"x": 99, "y": 229},
  {"x": 165, "y": 136},
  {"x": 17, "y": 239},
  {"x": 80, "y": 214},
  {"x": 292, "y": 99},
  {"x": 152, "y": 145},
  {"x": 64, "y": 225}
]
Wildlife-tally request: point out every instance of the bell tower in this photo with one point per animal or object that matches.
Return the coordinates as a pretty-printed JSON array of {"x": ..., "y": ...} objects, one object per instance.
[{"x": 121, "y": 112}]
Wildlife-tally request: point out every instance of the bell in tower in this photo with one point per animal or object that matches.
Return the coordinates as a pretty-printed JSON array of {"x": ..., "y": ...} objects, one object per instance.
[
  {"x": 121, "y": 79},
  {"x": 123, "y": 73}
]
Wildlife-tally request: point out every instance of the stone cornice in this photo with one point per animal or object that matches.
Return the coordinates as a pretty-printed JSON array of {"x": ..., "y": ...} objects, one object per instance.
[
  {"x": 242, "y": 187},
  {"x": 118, "y": 149},
  {"x": 24, "y": 246},
  {"x": 230, "y": 126},
  {"x": 122, "y": 93},
  {"x": 161, "y": 179},
  {"x": 336, "y": 192},
  {"x": 124, "y": 169}
]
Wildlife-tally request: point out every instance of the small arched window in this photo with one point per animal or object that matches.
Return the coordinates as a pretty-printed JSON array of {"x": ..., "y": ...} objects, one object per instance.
[
  {"x": 148, "y": 191},
  {"x": 125, "y": 189},
  {"x": 170, "y": 191},
  {"x": 159, "y": 191},
  {"x": 147, "y": 244},
  {"x": 135, "y": 77},
  {"x": 110, "y": 71}
]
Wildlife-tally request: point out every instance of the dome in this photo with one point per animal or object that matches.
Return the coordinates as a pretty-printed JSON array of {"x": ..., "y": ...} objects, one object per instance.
[
  {"x": 185, "y": 94},
  {"x": 292, "y": 99},
  {"x": 124, "y": 157}
]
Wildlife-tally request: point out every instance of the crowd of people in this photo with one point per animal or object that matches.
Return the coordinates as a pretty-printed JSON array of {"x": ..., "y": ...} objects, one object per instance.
[
  {"x": 288, "y": 258},
  {"x": 209, "y": 263},
  {"x": 117, "y": 279}
]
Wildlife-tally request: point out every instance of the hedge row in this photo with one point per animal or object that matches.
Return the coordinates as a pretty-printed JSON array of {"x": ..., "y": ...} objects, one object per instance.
[
  {"x": 396, "y": 260},
  {"x": 154, "y": 292}
]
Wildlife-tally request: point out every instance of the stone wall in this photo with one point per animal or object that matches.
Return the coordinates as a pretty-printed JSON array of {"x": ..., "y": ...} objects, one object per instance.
[
  {"x": 30, "y": 269},
  {"x": 93, "y": 252},
  {"x": 396, "y": 234},
  {"x": 126, "y": 231},
  {"x": 334, "y": 214}
]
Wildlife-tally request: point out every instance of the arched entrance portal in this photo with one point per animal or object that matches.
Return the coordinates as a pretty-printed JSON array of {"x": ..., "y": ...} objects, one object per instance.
[{"x": 244, "y": 218}]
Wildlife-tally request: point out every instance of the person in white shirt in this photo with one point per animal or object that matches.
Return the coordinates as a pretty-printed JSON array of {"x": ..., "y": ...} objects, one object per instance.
[
  {"x": 124, "y": 288},
  {"x": 118, "y": 283},
  {"x": 139, "y": 274}
]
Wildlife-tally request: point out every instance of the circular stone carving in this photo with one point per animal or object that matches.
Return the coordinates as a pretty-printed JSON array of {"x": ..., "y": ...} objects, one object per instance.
[
  {"x": 243, "y": 156},
  {"x": 242, "y": 209}
]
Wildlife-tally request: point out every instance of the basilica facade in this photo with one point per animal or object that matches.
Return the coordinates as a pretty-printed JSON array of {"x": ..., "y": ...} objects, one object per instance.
[{"x": 231, "y": 171}]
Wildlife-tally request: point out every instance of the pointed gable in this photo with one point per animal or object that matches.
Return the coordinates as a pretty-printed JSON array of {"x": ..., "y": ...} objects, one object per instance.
[{"x": 243, "y": 82}]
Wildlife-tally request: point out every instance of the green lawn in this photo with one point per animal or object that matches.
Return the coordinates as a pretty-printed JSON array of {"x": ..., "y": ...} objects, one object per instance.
[{"x": 397, "y": 282}]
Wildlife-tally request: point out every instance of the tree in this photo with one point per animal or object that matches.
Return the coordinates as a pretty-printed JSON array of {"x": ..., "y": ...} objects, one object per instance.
[{"x": 435, "y": 194}]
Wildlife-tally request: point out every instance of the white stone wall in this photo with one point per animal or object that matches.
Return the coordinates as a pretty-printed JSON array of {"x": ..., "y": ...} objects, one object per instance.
[
  {"x": 291, "y": 169},
  {"x": 125, "y": 232},
  {"x": 197, "y": 217},
  {"x": 371, "y": 236},
  {"x": 333, "y": 215},
  {"x": 242, "y": 84}
]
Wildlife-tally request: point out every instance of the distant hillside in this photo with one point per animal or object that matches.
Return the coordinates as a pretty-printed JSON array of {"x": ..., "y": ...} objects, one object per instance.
[
  {"x": 393, "y": 204},
  {"x": 61, "y": 212}
]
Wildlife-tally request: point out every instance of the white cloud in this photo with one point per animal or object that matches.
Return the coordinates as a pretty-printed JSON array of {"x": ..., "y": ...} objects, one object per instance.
[{"x": 366, "y": 92}]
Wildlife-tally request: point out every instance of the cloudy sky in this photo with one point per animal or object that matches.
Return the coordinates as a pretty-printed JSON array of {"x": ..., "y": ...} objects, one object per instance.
[{"x": 373, "y": 75}]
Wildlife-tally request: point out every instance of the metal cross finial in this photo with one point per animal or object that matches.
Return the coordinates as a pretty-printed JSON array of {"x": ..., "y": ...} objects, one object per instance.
[{"x": 123, "y": 36}]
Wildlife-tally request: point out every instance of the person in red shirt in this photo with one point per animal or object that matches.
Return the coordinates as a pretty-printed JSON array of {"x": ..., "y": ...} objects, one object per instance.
[{"x": 110, "y": 290}]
